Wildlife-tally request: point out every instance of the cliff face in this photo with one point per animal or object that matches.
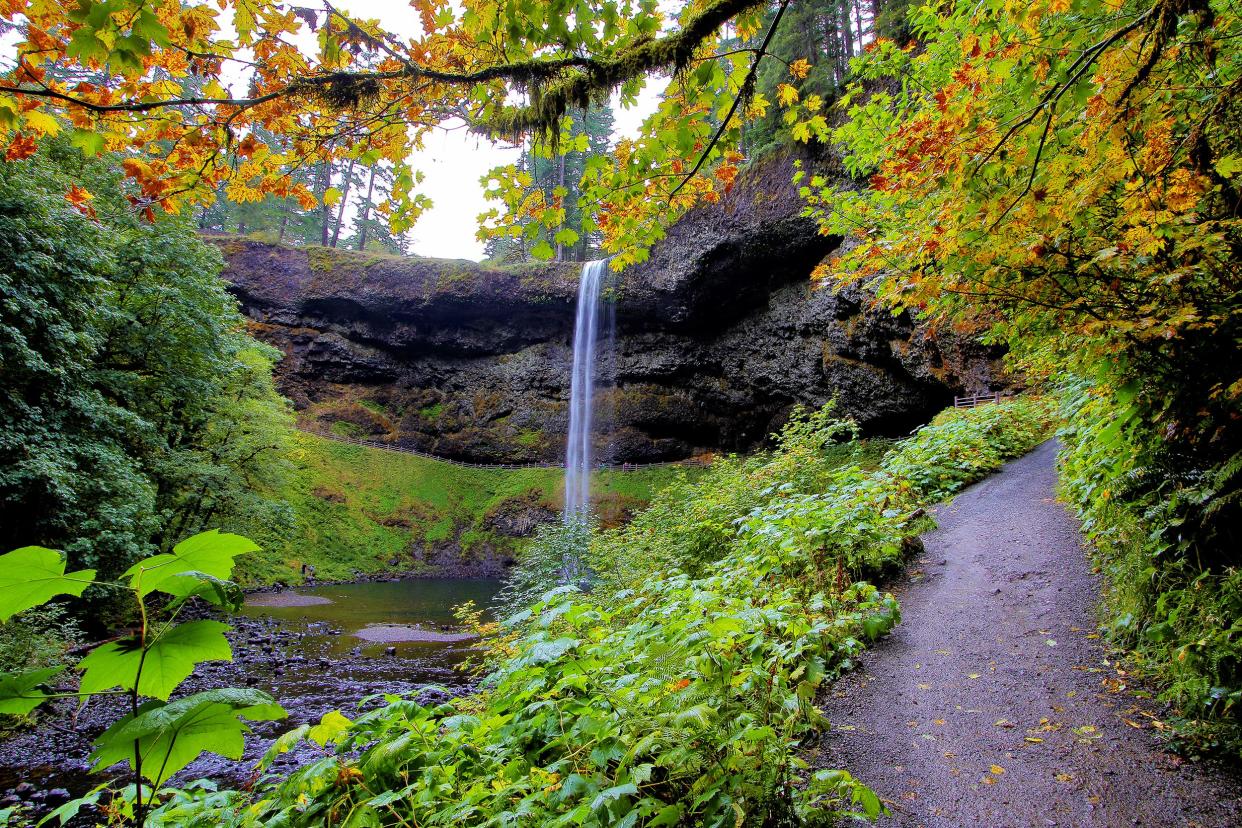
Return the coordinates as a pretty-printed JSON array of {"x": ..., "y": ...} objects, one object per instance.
[{"x": 718, "y": 335}]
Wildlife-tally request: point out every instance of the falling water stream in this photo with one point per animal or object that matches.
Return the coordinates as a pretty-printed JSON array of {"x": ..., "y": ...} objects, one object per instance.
[{"x": 582, "y": 391}]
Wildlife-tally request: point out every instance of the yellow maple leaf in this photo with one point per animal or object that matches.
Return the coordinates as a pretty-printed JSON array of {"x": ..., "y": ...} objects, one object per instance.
[{"x": 800, "y": 68}]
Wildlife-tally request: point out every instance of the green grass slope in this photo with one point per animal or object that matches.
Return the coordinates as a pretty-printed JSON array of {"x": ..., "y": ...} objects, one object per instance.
[{"x": 367, "y": 511}]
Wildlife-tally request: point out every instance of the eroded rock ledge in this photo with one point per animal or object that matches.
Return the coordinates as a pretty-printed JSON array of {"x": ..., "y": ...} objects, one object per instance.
[{"x": 717, "y": 337}]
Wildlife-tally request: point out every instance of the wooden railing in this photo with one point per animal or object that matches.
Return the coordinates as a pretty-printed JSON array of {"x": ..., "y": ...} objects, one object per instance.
[
  {"x": 980, "y": 399},
  {"x": 624, "y": 467}
]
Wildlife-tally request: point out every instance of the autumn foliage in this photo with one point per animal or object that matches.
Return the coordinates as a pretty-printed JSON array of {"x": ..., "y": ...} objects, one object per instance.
[
  {"x": 241, "y": 94},
  {"x": 1064, "y": 176}
]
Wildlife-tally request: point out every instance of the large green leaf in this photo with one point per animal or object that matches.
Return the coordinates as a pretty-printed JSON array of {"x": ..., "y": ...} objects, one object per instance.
[
  {"x": 221, "y": 593},
  {"x": 542, "y": 251},
  {"x": 71, "y": 808},
  {"x": 178, "y": 573},
  {"x": 19, "y": 693},
  {"x": 33, "y": 575},
  {"x": 171, "y": 736},
  {"x": 168, "y": 661}
]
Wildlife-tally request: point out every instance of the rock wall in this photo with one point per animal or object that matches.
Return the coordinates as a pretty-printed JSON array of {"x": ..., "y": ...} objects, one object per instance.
[{"x": 717, "y": 336}]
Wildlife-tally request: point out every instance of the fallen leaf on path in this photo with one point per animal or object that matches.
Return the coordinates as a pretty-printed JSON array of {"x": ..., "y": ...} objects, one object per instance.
[
  {"x": 1035, "y": 740},
  {"x": 937, "y": 721},
  {"x": 997, "y": 770},
  {"x": 924, "y": 686},
  {"x": 973, "y": 676},
  {"x": 1065, "y": 777},
  {"x": 1087, "y": 737},
  {"x": 987, "y": 780},
  {"x": 1005, "y": 723}
]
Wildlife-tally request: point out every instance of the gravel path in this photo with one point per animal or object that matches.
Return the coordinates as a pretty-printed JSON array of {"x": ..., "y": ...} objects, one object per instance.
[{"x": 994, "y": 704}]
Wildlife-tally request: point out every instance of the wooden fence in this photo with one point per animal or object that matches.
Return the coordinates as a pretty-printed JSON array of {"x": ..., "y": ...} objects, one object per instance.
[
  {"x": 980, "y": 399},
  {"x": 623, "y": 467}
]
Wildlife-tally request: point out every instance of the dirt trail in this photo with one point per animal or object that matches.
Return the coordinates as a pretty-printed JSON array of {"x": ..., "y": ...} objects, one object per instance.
[{"x": 992, "y": 705}]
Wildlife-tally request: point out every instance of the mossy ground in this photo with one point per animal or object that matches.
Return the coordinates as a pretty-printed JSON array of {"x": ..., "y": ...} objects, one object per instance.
[{"x": 367, "y": 511}]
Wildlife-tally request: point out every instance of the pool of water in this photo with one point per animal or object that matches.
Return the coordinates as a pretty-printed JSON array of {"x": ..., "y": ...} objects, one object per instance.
[
  {"x": 314, "y": 649},
  {"x": 413, "y": 616}
]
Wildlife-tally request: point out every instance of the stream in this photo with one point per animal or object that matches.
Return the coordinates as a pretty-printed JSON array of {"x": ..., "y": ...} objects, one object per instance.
[{"x": 314, "y": 649}]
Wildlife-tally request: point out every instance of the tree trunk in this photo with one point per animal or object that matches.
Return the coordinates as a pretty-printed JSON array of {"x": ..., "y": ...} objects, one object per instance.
[
  {"x": 340, "y": 213},
  {"x": 366, "y": 212},
  {"x": 323, "y": 182},
  {"x": 858, "y": 24},
  {"x": 847, "y": 37},
  {"x": 560, "y": 182}
]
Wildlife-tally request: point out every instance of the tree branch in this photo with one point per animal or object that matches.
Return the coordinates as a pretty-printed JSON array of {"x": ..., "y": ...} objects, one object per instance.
[
  {"x": 556, "y": 83},
  {"x": 742, "y": 92}
]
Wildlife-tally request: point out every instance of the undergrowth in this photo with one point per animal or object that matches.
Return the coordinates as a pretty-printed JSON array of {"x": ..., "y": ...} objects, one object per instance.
[
  {"x": 677, "y": 695},
  {"x": 1174, "y": 607}
]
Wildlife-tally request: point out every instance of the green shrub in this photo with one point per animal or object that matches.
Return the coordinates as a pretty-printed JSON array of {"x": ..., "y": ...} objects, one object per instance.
[
  {"x": 557, "y": 554},
  {"x": 964, "y": 444},
  {"x": 692, "y": 523},
  {"x": 1170, "y": 598},
  {"x": 37, "y": 638},
  {"x": 344, "y": 428},
  {"x": 136, "y": 409}
]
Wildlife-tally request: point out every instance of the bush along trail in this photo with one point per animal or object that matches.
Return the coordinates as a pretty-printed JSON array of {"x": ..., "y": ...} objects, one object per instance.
[
  {"x": 995, "y": 702},
  {"x": 680, "y": 689}
]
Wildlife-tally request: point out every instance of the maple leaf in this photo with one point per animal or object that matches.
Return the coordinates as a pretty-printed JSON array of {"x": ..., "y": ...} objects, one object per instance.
[
  {"x": 22, "y": 146},
  {"x": 800, "y": 68},
  {"x": 786, "y": 95},
  {"x": 81, "y": 200}
]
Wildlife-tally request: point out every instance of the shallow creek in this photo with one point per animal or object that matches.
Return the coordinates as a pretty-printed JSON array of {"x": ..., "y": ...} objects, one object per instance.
[{"x": 314, "y": 649}]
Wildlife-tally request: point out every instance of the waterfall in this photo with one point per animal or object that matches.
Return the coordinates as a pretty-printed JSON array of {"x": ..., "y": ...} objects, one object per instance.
[{"x": 582, "y": 391}]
